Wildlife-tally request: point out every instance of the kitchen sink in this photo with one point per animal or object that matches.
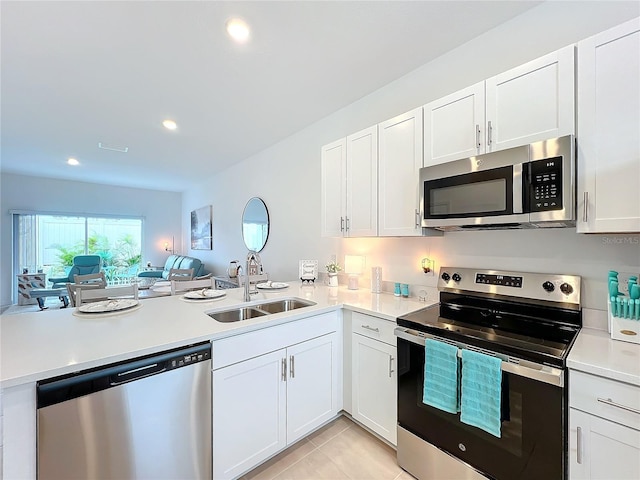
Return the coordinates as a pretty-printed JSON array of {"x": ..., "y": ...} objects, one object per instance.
[
  {"x": 254, "y": 311},
  {"x": 284, "y": 305},
  {"x": 237, "y": 314}
]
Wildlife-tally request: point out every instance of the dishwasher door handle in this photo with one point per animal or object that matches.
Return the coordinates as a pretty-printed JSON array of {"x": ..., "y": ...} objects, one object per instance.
[{"x": 137, "y": 373}]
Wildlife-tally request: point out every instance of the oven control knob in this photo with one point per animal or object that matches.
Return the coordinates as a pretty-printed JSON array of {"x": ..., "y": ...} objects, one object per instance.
[
  {"x": 456, "y": 277},
  {"x": 549, "y": 287},
  {"x": 445, "y": 276},
  {"x": 566, "y": 289}
]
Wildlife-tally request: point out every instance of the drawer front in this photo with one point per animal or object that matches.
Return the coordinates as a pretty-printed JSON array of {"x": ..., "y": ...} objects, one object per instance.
[
  {"x": 373, "y": 327},
  {"x": 615, "y": 401},
  {"x": 238, "y": 348}
]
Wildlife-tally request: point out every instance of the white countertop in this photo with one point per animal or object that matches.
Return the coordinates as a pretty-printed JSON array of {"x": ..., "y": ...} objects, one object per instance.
[
  {"x": 39, "y": 345},
  {"x": 594, "y": 352}
]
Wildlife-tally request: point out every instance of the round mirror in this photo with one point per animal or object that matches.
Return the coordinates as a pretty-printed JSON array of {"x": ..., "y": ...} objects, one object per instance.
[{"x": 255, "y": 224}]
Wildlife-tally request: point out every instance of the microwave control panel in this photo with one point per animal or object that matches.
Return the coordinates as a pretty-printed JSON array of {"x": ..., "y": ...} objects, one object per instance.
[{"x": 545, "y": 185}]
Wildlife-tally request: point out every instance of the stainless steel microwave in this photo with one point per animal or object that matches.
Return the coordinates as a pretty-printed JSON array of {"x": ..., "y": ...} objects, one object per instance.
[{"x": 532, "y": 186}]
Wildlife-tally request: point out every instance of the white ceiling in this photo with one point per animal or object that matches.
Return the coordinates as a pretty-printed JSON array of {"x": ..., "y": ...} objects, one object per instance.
[{"x": 78, "y": 73}]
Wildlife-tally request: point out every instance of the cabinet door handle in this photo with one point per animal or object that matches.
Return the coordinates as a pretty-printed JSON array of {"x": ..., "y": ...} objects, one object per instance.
[
  {"x": 292, "y": 372},
  {"x": 390, "y": 365},
  {"x": 579, "y": 445},
  {"x": 377, "y": 330},
  {"x": 489, "y": 132},
  {"x": 284, "y": 369},
  {"x": 608, "y": 401},
  {"x": 342, "y": 224},
  {"x": 348, "y": 225},
  {"x": 477, "y": 135},
  {"x": 417, "y": 218},
  {"x": 585, "y": 199}
]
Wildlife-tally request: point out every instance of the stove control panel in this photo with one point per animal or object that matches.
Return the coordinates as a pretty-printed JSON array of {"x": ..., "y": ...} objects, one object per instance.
[
  {"x": 503, "y": 280},
  {"x": 538, "y": 286}
]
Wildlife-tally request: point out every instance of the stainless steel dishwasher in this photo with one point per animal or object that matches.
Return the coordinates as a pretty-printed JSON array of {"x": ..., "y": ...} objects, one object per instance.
[{"x": 148, "y": 418}]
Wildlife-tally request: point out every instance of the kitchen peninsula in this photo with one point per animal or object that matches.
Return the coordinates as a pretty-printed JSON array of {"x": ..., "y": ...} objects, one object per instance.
[{"x": 43, "y": 345}]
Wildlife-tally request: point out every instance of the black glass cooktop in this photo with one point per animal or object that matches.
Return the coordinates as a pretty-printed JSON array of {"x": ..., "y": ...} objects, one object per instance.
[{"x": 534, "y": 332}]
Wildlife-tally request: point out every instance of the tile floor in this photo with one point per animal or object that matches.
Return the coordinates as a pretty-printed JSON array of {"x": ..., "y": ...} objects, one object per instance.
[{"x": 339, "y": 450}]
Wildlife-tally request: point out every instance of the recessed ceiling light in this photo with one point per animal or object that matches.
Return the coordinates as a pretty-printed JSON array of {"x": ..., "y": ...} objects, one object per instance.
[
  {"x": 238, "y": 30},
  {"x": 73, "y": 161},
  {"x": 169, "y": 124}
]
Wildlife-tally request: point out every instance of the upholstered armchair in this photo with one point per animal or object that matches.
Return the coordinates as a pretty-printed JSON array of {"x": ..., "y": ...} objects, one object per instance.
[{"x": 82, "y": 265}]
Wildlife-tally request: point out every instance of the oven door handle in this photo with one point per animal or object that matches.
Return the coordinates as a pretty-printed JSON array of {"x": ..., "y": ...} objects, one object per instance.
[{"x": 532, "y": 370}]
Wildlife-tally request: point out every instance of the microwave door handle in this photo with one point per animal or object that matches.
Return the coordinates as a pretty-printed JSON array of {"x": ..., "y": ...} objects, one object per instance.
[{"x": 518, "y": 181}]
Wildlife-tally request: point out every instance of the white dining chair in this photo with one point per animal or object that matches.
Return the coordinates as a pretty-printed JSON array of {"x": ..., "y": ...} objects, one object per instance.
[
  {"x": 88, "y": 282},
  {"x": 180, "y": 274},
  {"x": 84, "y": 295},
  {"x": 178, "y": 286}
]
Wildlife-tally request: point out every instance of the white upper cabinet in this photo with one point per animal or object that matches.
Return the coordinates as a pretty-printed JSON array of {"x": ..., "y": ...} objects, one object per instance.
[
  {"x": 333, "y": 180},
  {"x": 608, "y": 125},
  {"x": 532, "y": 102},
  {"x": 400, "y": 160},
  {"x": 349, "y": 178},
  {"x": 454, "y": 126},
  {"x": 362, "y": 184}
]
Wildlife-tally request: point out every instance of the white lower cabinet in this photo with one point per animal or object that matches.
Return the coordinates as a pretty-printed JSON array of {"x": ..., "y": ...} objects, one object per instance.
[
  {"x": 311, "y": 385},
  {"x": 374, "y": 378},
  {"x": 604, "y": 424},
  {"x": 249, "y": 414},
  {"x": 603, "y": 450},
  {"x": 265, "y": 403}
]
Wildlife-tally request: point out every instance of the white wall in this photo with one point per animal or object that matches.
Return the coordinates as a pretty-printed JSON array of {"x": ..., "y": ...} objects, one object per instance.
[
  {"x": 287, "y": 175},
  {"x": 161, "y": 212}
]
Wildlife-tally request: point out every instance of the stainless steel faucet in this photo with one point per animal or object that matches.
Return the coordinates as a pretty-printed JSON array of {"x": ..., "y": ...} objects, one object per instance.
[{"x": 252, "y": 256}]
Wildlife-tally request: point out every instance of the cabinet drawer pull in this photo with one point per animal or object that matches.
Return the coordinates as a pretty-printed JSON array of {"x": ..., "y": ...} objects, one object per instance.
[
  {"x": 376, "y": 329},
  {"x": 489, "y": 132},
  {"x": 292, "y": 372},
  {"x": 477, "y": 135},
  {"x": 284, "y": 369},
  {"x": 390, "y": 365},
  {"x": 608, "y": 401},
  {"x": 579, "y": 445}
]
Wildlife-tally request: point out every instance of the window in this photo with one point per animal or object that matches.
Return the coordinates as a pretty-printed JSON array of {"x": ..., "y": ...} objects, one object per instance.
[{"x": 49, "y": 243}]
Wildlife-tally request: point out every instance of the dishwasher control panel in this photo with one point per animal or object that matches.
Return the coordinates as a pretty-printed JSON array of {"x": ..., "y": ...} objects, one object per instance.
[{"x": 188, "y": 359}]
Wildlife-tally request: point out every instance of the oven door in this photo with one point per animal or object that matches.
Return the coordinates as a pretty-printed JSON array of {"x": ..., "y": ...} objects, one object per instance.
[{"x": 533, "y": 430}]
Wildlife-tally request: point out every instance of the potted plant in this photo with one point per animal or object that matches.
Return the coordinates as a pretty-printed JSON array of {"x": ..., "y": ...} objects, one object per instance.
[{"x": 332, "y": 271}]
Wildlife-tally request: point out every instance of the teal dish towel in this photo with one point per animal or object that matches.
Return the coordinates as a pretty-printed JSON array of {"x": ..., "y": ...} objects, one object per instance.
[
  {"x": 441, "y": 376},
  {"x": 481, "y": 391}
]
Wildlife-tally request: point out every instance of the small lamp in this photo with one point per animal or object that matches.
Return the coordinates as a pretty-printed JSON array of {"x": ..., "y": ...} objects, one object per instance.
[
  {"x": 353, "y": 267},
  {"x": 166, "y": 246},
  {"x": 428, "y": 266}
]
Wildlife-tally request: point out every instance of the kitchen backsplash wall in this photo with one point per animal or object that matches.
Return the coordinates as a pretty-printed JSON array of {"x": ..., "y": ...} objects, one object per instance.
[
  {"x": 559, "y": 251},
  {"x": 287, "y": 175}
]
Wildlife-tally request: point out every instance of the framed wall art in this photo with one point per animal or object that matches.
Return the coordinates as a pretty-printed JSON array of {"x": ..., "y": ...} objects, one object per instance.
[{"x": 201, "y": 231}]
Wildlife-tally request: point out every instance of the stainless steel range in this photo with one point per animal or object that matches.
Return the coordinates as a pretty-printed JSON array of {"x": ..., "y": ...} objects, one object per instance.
[{"x": 529, "y": 322}]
